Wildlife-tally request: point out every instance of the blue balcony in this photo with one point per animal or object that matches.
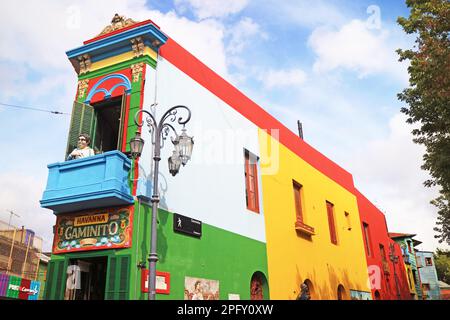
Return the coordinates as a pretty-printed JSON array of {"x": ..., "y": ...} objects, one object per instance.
[{"x": 88, "y": 183}]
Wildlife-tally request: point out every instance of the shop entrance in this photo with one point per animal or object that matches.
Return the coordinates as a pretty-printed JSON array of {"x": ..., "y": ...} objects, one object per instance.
[{"x": 86, "y": 279}]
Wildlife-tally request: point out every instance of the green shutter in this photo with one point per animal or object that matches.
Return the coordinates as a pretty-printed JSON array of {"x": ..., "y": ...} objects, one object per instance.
[
  {"x": 124, "y": 281},
  {"x": 82, "y": 121},
  {"x": 55, "y": 279},
  {"x": 60, "y": 279},
  {"x": 48, "y": 281},
  {"x": 109, "y": 294},
  {"x": 118, "y": 285}
]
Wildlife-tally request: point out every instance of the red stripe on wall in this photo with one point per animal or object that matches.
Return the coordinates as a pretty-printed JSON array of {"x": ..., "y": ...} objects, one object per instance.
[{"x": 200, "y": 73}]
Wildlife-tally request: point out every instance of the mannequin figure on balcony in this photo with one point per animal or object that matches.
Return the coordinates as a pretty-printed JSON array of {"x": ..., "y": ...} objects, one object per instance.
[{"x": 83, "y": 150}]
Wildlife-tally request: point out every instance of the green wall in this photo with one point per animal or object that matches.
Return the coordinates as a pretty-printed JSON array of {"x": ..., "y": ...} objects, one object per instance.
[{"x": 217, "y": 255}]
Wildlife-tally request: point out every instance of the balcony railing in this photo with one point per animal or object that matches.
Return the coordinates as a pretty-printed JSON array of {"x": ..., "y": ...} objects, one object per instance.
[{"x": 88, "y": 183}]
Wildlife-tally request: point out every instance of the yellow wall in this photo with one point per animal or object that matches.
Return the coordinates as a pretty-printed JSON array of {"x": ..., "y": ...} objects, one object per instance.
[
  {"x": 292, "y": 258},
  {"x": 411, "y": 281},
  {"x": 120, "y": 58}
]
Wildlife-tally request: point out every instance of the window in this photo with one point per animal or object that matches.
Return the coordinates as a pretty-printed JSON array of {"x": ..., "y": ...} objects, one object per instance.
[
  {"x": 409, "y": 247},
  {"x": 341, "y": 294},
  {"x": 383, "y": 259},
  {"x": 298, "y": 201},
  {"x": 103, "y": 122},
  {"x": 347, "y": 218},
  {"x": 428, "y": 262},
  {"x": 367, "y": 239},
  {"x": 300, "y": 224},
  {"x": 331, "y": 222},
  {"x": 251, "y": 182},
  {"x": 411, "y": 281}
]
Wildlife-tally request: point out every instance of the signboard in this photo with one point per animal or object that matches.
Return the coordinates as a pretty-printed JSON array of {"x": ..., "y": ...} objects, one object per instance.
[
  {"x": 19, "y": 288},
  {"x": 187, "y": 225},
  {"x": 162, "y": 281},
  {"x": 93, "y": 230},
  {"x": 360, "y": 295}
]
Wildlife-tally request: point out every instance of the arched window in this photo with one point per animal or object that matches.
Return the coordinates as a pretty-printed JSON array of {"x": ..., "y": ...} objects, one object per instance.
[
  {"x": 258, "y": 287},
  {"x": 310, "y": 288},
  {"x": 377, "y": 295},
  {"x": 341, "y": 293}
]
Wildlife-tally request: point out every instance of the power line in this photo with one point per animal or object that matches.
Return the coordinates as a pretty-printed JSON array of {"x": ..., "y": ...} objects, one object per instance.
[{"x": 31, "y": 108}]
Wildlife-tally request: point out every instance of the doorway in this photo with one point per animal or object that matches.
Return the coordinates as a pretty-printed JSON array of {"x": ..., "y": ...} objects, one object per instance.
[{"x": 86, "y": 279}]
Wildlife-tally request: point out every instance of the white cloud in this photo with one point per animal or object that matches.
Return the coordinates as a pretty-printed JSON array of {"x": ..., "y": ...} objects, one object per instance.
[
  {"x": 211, "y": 8},
  {"x": 358, "y": 48},
  {"x": 242, "y": 33},
  {"x": 283, "y": 78},
  {"x": 20, "y": 193},
  {"x": 387, "y": 171}
]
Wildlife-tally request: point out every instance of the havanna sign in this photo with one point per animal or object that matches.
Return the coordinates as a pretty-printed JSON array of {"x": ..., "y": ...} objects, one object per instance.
[{"x": 93, "y": 230}]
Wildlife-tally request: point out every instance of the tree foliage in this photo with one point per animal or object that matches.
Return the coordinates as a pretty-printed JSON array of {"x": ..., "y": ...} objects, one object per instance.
[
  {"x": 442, "y": 264},
  {"x": 428, "y": 96}
]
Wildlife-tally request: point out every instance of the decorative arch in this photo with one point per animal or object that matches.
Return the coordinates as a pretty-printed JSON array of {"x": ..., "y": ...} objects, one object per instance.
[
  {"x": 259, "y": 289},
  {"x": 124, "y": 82}
]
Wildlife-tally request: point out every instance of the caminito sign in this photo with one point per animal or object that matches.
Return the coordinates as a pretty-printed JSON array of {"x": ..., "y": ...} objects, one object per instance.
[{"x": 94, "y": 230}]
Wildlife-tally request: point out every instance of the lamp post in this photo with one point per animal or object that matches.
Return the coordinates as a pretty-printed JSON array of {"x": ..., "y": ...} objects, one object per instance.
[
  {"x": 394, "y": 260},
  {"x": 182, "y": 153}
]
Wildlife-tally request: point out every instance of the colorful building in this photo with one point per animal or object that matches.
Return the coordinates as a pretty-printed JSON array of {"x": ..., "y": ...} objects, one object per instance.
[
  {"x": 266, "y": 211},
  {"x": 407, "y": 244},
  {"x": 428, "y": 275},
  {"x": 20, "y": 251},
  {"x": 387, "y": 274}
]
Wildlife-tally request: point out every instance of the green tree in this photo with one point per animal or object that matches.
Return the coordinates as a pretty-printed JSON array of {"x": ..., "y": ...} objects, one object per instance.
[
  {"x": 442, "y": 264},
  {"x": 428, "y": 96}
]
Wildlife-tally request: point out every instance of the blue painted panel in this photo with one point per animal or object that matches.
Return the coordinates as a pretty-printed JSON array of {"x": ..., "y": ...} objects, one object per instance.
[
  {"x": 115, "y": 41},
  {"x": 88, "y": 183}
]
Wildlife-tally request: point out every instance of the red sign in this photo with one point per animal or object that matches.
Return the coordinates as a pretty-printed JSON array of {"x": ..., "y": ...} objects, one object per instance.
[{"x": 162, "y": 281}]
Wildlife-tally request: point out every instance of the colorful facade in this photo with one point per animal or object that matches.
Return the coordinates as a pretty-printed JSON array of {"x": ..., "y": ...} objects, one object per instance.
[
  {"x": 388, "y": 277},
  {"x": 407, "y": 244},
  {"x": 428, "y": 275},
  {"x": 273, "y": 212}
]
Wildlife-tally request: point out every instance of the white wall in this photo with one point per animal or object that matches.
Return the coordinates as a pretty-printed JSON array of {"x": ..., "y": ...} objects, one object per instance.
[{"x": 211, "y": 187}]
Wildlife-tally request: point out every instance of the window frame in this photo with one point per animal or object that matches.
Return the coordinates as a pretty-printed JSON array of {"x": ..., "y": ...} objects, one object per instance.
[
  {"x": 251, "y": 180},
  {"x": 368, "y": 241},
  {"x": 332, "y": 222},
  {"x": 298, "y": 199}
]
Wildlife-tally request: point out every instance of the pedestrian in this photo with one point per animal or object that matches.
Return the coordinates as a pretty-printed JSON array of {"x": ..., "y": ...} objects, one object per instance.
[{"x": 304, "y": 292}]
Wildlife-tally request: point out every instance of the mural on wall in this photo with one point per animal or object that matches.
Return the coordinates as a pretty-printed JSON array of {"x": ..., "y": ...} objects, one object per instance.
[
  {"x": 93, "y": 230},
  {"x": 360, "y": 295},
  {"x": 200, "y": 289}
]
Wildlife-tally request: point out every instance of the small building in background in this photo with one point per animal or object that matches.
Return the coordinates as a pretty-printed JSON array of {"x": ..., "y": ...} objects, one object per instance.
[
  {"x": 428, "y": 275},
  {"x": 20, "y": 263},
  {"x": 407, "y": 244}
]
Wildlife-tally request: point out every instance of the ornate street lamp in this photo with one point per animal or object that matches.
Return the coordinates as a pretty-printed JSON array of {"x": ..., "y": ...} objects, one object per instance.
[{"x": 182, "y": 153}]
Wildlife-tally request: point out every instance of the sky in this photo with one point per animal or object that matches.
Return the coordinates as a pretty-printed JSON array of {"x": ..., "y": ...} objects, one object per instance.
[{"x": 330, "y": 64}]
